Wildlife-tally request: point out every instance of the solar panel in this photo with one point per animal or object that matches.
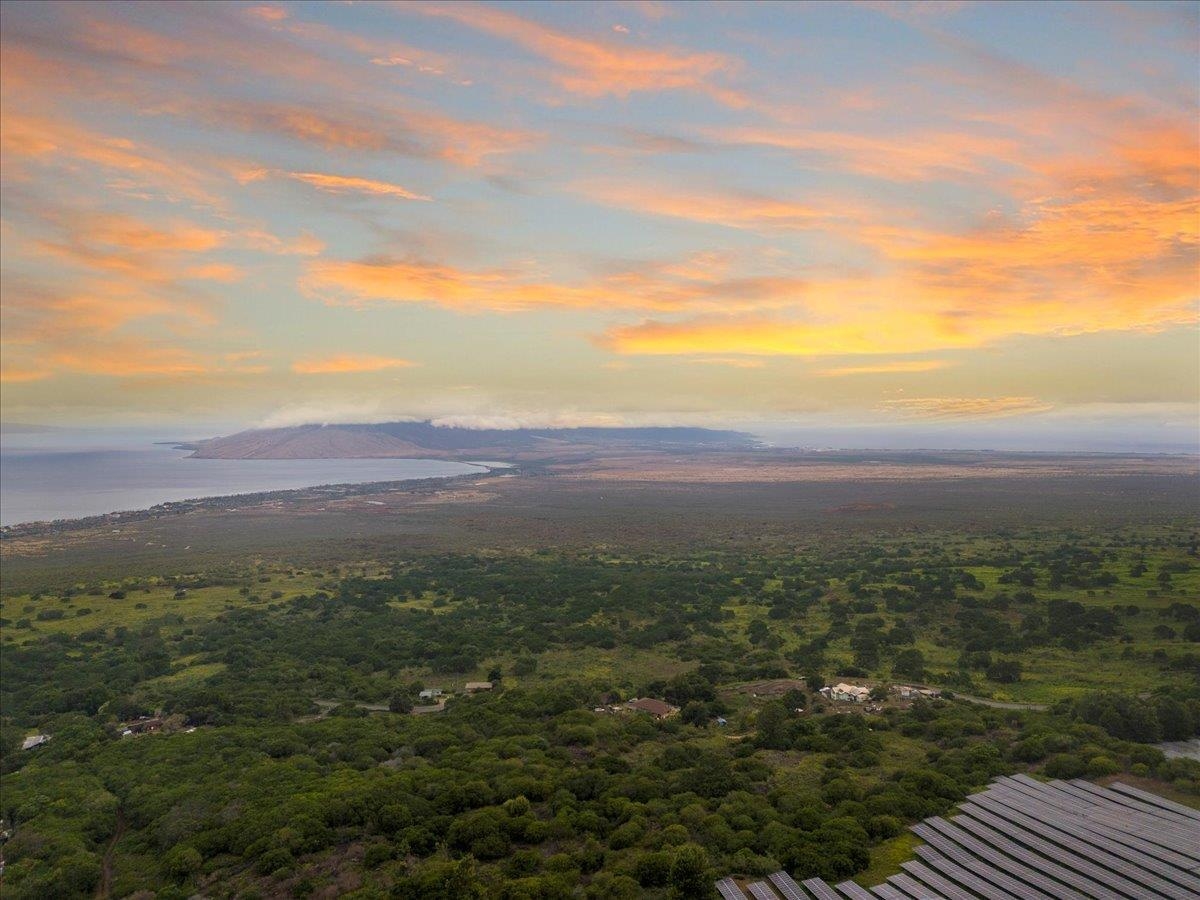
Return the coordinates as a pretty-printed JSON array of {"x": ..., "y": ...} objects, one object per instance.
[
  {"x": 1007, "y": 850},
  {"x": 988, "y": 882},
  {"x": 760, "y": 890},
  {"x": 1104, "y": 857},
  {"x": 1154, "y": 838},
  {"x": 819, "y": 889},
  {"x": 933, "y": 880},
  {"x": 912, "y": 888},
  {"x": 989, "y": 859},
  {"x": 1181, "y": 835},
  {"x": 1155, "y": 800},
  {"x": 729, "y": 890},
  {"x": 1119, "y": 803},
  {"x": 853, "y": 891},
  {"x": 1024, "y": 839},
  {"x": 786, "y": 885},
  {"x": 1030, "y": 838},
  {"x": 1132, "y": 849}
]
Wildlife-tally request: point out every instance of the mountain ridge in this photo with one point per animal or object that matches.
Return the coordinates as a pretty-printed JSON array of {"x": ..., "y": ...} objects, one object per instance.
[{"x": 417, "y": 440}]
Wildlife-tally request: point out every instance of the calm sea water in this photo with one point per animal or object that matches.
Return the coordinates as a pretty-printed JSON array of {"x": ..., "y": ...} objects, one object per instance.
[{"x": 36, "y": 485}]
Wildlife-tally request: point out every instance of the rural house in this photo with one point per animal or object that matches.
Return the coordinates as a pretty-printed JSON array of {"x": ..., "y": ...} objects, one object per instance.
[
  {"x": 660, "y": 709},
  {"x": 852, "y": 693}
]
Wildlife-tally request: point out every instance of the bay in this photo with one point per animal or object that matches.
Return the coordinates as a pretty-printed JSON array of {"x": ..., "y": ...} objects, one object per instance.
[{"x": 39, "y": 485}]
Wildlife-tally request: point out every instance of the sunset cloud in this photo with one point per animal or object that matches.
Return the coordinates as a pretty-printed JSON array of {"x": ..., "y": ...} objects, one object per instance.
[
  {"x": 593, "y": 67},
  {"x": 349, "y": 363},
  {"x": 338, "y": 184},
  {"x": 898, "y": 203},
  {"x": 734, "y": 362},
  {"x": 22, "y": 374},
  {"x": 690, "y": 285},
  {"x": 965, "y": 407},
  {"x": 887, "y": 368}
]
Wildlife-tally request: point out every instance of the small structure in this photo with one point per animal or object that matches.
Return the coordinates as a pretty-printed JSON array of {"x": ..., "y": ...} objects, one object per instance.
[
  {"x": 142, "y": 726},
  {"x": 474, "y": 687},
  {"x": 660, "y": 709},
  {"x": 851, "y": 693},
  {"x": 34, "y": 740},
  {"x": 430, "y": 694}
]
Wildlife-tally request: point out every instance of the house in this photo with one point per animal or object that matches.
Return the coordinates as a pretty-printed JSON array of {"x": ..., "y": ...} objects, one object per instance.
[
  {"x": 143, "y": 726},
  {"x": 660, "y": 709},
  {"x": 430, "y": 694},
  {"x": 34, "y": 740},
  {"x": 474, "y": 687},
  {"x": 851, "y": 693}
]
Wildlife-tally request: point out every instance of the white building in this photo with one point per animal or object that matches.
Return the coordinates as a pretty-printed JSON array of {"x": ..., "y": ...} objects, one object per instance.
[{"x": 850, "y": 693}]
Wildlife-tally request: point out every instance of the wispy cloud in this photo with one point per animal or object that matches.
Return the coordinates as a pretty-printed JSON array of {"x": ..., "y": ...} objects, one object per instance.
[
  {"x": 887, "y": 368},
  {"x": 965, "y": 407},
  {"x": 338, "y": 184},
  {"x": 733, "y": 362},
  {"x": 595, "y": 67},
  {"x": 349, "y": 363}
]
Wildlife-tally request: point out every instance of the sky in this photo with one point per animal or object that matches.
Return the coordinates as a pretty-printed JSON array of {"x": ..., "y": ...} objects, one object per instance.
[{"x": 899, "y": 223}]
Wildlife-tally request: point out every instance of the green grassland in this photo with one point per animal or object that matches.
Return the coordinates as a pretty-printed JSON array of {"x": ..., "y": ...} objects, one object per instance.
[{"x": 251, "y": 790}]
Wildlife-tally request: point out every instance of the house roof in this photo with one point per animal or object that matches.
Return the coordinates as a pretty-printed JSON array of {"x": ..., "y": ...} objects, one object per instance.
[
  {"x": 652, "y": 706},
  {"x": 851, "y": 689}
]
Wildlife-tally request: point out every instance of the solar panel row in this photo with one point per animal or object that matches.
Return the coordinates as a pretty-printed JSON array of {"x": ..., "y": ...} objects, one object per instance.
[
  {"x": 1121, "y": 800},
  {"x": 1049, "y": 849},
  {"x": 820, "y": 889},
  {"x": 786, "y": 885},
  {"x": 1104, "y": 839},
  {"x": 1023, "y": 839},
  {"x": 958, "y": 852},
  {"x": 1175, "y": 845},
  {"x": 1110, "y": 857},
  {"x": 1154, "y": 799},
  {"x": 852, "y": 891}
]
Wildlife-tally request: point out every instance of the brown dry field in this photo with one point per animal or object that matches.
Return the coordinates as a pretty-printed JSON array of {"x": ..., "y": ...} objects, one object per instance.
[
  {"x": 634, "y": 504},
  {"x": 782, "y": 466}
]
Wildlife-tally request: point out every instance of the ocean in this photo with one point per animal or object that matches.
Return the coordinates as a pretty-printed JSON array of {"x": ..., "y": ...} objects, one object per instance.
[{"x": 41, "y": 485}]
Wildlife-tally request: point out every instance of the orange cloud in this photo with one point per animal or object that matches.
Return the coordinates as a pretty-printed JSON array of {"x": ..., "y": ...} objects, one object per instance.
[
  {"x": 965, "y": 407},
  {"x": 394, "y": 129},
  {"x": 896, "y": 157},
  {"x": 384, "y": 279},
  {"x": 349, "y": 363},
  {"x": 901, "y": 366},
  {"x": 596, "y": 68},
  {"x": 136, "y": 167},
  {"x": 734, "y": 362},
  {"x": 22, "y": 374},
  {"x": 743, "y": 210},
  {"x": 267, "y": 13},
  {"x": 127, "y": 358},
  {"x": 340, "y": 184}
]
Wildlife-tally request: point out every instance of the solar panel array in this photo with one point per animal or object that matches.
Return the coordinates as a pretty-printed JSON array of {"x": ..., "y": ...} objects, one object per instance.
[{"x": 1022, "y": 839}]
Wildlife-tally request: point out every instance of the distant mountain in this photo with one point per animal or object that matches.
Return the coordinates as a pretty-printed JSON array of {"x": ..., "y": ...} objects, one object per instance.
[{"x": 424, "y": 439}]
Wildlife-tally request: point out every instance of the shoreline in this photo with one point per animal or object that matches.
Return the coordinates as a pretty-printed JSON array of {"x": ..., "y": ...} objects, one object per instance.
[{"x": 234, "y": 501}]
